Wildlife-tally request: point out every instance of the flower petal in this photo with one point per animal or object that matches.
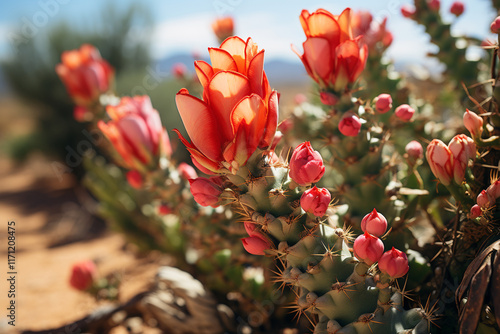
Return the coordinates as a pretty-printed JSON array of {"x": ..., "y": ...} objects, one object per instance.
[
  {"x": 236, "y": 48},
  {"x": 200, "y": 124},
  {"x": 222, "y": 60},
  {"x": 272, "y": 121},
  {"x": 255, "y": 73},
  {"x": 318, "y": 55},
  {"x": 204, "y": 72},
  {"x": 323, "y": 24},
  {"x": 344, "y": 21},
  {"x": 225, "y": 90}
]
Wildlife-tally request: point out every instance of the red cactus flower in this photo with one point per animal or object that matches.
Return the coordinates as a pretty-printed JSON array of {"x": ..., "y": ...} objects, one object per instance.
[
  {"x": 83, "y": 275},
  {"x": 368, "y": 248},
  {"x": 306, "y": 165},
  {"x": 394, "y": 263},
  {"x": 316, "y": 201},
  {"x": 238, "y": 113},
  {"x": 374, "y": 223}
]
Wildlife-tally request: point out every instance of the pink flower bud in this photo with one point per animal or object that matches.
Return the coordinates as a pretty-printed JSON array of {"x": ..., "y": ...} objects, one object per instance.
[
  {"x": 475, "y": 212},
  {"x": 463, "y": 148},
  {"x": 482, "y": 199},
  {"x": 186, "y": 171},
  {"x": 414, "y": 150},
  {"x": 81, "y": 114},
  {"x": 408, "y": 11},
  {"x": 179, "y": 70},
  {"x": 368, "y": 248},
  {"x": 82, "y": 275},
  {"x": 495, "y": 25},
  {"x": 434, "y": 4},
  {"x": 404, "y": 112},
  {"x": 300, "y": 98},
  {"x": 473, "y": 123},
  {"x": 440, "y": 160},
  {"x": 134, "y": 178},
  {"x": 493, "y": 191},
  {"x": 205, "y": 191},
  {"x": 164, "y": 209},
  {"x": 383, "y": 103},
  {"x": 394, "y": 263},
  {"x": 374, "y": 223},
  {"x": 256, "y": 245},
  {"x": 328, "y": 99},
  {"x": 457, "y": 8},
  {"x": 316, "y": 201},
  {"x": 306, "y": 165},
  {"x": 350, "y": 125}
]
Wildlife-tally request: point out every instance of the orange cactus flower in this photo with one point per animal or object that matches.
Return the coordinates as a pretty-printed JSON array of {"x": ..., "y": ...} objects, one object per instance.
[
  {"x": 238, "y": 112},
  {"x": 223, "y": 28},
  {"x": 85, "y": 74},
  {"x": 332, "y": 57},
  {"x": 136, "y": 132}
]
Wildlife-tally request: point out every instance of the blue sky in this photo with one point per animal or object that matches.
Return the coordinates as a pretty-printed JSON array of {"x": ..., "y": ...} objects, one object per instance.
[{"x": 184, "y": 26}]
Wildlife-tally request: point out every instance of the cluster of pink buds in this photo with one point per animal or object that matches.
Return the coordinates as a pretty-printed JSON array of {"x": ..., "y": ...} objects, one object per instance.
[
  {"x": 448, "y": 163},
  {"x": 369, "y": 249},
  {"x": 486, "y": 199},
  {"x": 383, "y": 103}
]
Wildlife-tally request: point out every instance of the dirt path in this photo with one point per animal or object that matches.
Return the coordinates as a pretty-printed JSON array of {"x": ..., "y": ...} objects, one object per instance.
[{"x": 53, "y": 230}]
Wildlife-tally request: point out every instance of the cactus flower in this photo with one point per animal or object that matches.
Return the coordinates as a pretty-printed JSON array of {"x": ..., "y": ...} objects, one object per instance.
[
  {"x": 83, "y": 275},
  {"x": 394, "y": 263},
  {"x": 134, "y": 178},
  {"x": 238, "y": 112},
  {"x": 463, "y": 148},
  {"x": 186, "y": 171},
  {"x": 350, "y": 125},
  {"x": 440, "y": 160},
  {"x": 206, "y": 192},
  {"x": 85, "y": 74},
  {"x": 136, "y": 132},
  {"x": 179, "y": 70},
  {"x": 414, "y": 150},
  {"x": 475, "y": 211},
  {"x": 495, "y": 25},
  {"x": 408, "y": 11},
  {"x": 306, "y": 165},
  {"x": 223, "y": 28},
  {"x": 383, "y": 103},
  {"x": 374, "y": 223},
  {"x": 316, "y": 201},
  {"x": 368, "y": 248},
  {"x": 256, "y": 244},
  {"x": 493, "y": 191},
  {"x": 473, "y": 123},
  {"x": 434, "y": 4},
  {"x": 483, "y": 200},
  {"x": 404, "y": 112},
  {"x": 328, "y": 99},
  {"x": 164, "y": 209},
  {"x": 332, "y": 56},
  {"x": 457, "y": 8}
]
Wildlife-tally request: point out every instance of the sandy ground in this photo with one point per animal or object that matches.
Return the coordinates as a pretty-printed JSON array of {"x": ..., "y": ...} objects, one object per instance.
[{"x": 53, "y": 231}]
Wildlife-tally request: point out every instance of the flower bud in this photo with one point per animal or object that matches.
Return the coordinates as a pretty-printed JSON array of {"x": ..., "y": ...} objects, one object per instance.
[
  {"x": 328, "y": 99},
  {"x": 482, "y": 199},
  {"x": 350, "y": 125},
  {"x": 394, "y": 263},
  {"x": 383, "y": 103},
  {"x": 463, "y": 148},
  {"x": 164, "y": 209},
  {"x": 374, "y": 223},
  {"x": 256, "y": 244},
  {"x": 134, "y": 178},
  {"x": 473, "y": 123},
  {"x": 179, "y": 70},
  {"x": 495, "y": 25},
  {"x": 82, "y": 275},
  {"x": 475, "y": 212},
  {"x": 186, "y": 171},
  {"x": 206, "y": 192},
  {"x": 414, "y": 150},
  {"x": 404, "y": 112},
  {"x": 306, "y": 165},
  {"x": 368, "y": 248},
  {"x": 408, "y": 11},
  {"x": 434, "y": 4},
  {"x": 493, "y": 191},
  {"x": 440, "y": 160},
  {"x": 457, "y": 8},
  {"x": 316, "y": 201}
]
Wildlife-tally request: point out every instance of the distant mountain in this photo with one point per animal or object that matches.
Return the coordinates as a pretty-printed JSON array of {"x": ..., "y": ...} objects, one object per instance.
[{"x": 278, "y": 71}]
